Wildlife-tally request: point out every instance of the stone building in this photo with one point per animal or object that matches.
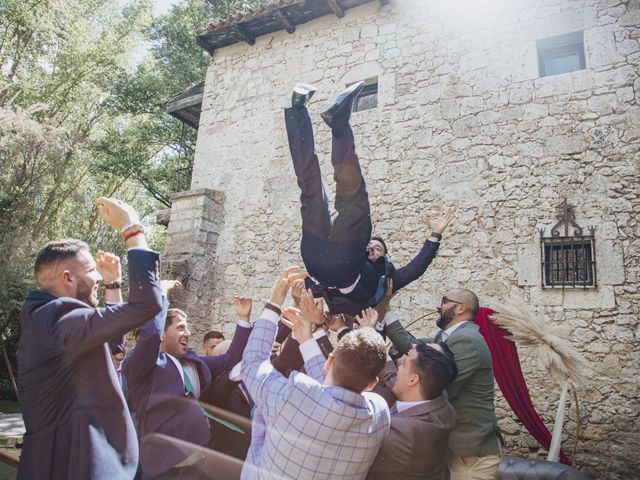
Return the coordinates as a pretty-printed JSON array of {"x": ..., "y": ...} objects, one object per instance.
[{"x": 501, "y": 108}]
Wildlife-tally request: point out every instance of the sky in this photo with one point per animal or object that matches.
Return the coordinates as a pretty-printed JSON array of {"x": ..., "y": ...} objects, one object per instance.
[
  {"x": 163, "y": 6},
  {"x": 160, "y": 7}
]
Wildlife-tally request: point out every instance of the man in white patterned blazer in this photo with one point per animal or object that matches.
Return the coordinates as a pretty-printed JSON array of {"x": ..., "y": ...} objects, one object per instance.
[{"x": 322, "y": 425}]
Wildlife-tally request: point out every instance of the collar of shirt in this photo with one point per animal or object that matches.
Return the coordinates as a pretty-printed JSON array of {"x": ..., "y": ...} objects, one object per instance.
[
  {"x": 402, "y": 406},
  {"x": 185, "y": 366},
  {"x": 447, "y": 333}
]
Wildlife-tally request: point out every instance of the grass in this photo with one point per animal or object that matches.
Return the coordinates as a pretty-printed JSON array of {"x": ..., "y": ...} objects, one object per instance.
[{"x": 7, "y": 406}]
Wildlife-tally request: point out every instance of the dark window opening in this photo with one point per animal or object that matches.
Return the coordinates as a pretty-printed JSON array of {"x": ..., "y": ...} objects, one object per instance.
[
  {"x": 368, "y": 97},
  {"x": 568, "y": 262},
  {"x": 561, "y": 54}
]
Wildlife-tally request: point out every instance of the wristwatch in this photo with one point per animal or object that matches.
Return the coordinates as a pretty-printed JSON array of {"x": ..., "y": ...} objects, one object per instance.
[
  {"x": 436, "y": 235},
  {"x": 113, "y": 285}
]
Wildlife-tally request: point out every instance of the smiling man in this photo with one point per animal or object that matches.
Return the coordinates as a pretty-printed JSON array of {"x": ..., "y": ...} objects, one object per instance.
[
  {"x": 77, "y": 423},
  {"x": 165, "y": 378},
  {"x": 474, "y": 450}
]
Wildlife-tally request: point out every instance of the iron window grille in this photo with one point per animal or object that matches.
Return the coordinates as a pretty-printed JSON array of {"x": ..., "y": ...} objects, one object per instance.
[
  {"x": 368, "y": 96},
  {"x": 561, "y": 54},
  {"x": 568, "y": 261}
]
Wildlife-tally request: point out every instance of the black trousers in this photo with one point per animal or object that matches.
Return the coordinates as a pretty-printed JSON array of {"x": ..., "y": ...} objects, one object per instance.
[{"x": 333, "y": 251}]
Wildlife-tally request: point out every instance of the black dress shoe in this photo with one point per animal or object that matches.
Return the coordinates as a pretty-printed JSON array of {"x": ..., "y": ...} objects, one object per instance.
[
  {"x": 340, "y": 111},
  {"x": 302, "y": 93}
]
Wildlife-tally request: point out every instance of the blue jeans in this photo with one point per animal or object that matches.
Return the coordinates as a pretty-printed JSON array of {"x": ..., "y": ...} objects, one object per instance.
[{"x": 333, "y": 251}]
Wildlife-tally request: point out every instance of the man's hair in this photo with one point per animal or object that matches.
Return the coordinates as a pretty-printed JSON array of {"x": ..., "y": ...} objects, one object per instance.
[
  {"x": 384, "y": 245},
  {"x": 358, "y": 359},
  {"x": 58, "y": 250},
  {"x": 435, "y": 369},
  {"x": 212, "y": 334},
  {"x": 174, "y": 314}
]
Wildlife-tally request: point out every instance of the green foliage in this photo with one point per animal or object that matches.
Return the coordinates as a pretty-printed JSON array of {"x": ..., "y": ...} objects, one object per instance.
[{"x": 82, "y": 116}]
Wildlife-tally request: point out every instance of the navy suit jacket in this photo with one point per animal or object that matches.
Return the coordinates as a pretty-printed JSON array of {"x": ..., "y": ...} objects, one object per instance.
[
  {"x": 77, "y": 423},
  {"x": 156, "y": 394}
]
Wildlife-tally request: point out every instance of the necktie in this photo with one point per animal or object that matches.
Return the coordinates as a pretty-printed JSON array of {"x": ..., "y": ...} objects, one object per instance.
[{"x": 188, "y": 388}]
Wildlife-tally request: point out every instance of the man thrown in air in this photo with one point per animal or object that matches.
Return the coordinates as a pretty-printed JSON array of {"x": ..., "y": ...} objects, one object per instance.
[{"x": 346, "y": 266}]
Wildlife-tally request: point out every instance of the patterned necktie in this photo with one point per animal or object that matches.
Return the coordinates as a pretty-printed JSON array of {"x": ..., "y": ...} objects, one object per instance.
[{"x": 189, "y": 390}]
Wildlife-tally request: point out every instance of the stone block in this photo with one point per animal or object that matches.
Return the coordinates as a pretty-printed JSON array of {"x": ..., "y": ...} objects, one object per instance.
[
  {"x": 600, "y": 48},
  {"x": 564, "y": 144},
  {"x": 529, "y": 264},
  {"x": 631, "y": 18},
  {"x": 465, "y": 127},
  {"x": 610, "y": 262}
]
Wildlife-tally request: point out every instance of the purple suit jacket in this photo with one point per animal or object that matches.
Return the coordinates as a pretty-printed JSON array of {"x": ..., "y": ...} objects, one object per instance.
[
  {"x": 77, "y": 423},
  {"x": 156, "y": 394}
]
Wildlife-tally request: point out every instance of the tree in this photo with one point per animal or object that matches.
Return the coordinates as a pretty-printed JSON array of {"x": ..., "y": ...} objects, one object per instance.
[
  {"x": 79, "y": 119},
  {"x": 58, "y": 59}
]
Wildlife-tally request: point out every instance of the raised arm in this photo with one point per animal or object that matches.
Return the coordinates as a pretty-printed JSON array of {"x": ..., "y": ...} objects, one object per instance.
[
  {"x": 416, "y": 267},
  {"x": 220, "y": 363},
  {"x": 80, "y": 328},
  {"x": 401, "y": 338},
  {"x": 301, "y": 322},
  {"x": 142, "y": 358},
  {"x": 264, "y": 383}
]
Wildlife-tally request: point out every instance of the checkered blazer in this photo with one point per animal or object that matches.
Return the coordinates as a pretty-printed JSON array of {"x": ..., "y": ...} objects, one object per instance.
[{"x": 301, "y": 428}]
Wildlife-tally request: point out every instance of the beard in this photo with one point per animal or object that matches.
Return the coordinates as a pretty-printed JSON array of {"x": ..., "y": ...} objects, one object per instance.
[
  {"x": 446, "y": 316},
  {"x": 87, "y": 294}
]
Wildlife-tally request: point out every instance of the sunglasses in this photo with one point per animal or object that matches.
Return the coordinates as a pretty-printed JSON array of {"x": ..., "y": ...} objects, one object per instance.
[{"x": 445, "y": 300}]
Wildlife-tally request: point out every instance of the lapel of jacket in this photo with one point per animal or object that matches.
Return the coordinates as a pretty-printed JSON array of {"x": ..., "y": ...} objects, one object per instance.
[
  {"x": 203, "y": 370},
  {"x": 465, "y": 326}
]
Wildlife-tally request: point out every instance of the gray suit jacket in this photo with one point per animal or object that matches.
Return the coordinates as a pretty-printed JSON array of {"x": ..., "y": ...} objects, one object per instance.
[
  {"x": 471, "y": 393},
  {"x": 77, "y": 423},
  {"x": 416, "y": 446}
]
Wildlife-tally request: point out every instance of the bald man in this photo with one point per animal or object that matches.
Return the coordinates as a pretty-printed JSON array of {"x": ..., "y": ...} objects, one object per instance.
[{"x": 474, "y": 452}]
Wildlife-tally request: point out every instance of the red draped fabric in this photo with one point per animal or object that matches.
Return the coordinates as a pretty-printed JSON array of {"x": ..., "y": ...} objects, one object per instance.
[{"x": 508, "y": 374}]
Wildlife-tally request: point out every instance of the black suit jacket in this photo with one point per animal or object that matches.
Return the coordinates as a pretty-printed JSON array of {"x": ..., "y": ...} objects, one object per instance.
[{"x": 77, "y": 423}]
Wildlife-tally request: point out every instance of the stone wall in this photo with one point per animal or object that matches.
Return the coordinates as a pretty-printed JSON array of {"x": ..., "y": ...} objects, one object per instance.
[{"x": 463, "y": 119}]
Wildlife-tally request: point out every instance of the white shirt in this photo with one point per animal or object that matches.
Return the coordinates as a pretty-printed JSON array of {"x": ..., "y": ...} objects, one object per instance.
[
  {"x": 402, "y": 406},
  {"x": 185, "y": 366},
  {"x": 447, "y": 333}
]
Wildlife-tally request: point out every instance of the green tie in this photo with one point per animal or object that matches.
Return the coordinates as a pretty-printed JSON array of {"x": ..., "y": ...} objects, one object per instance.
[{"x": 190, "y": 390}]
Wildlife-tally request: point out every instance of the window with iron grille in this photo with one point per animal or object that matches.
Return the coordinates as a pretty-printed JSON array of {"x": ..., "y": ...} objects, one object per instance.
[
  {"x": 560, "y": 54},
  {"x": 368, "y": 96},
  {"x": 568, "y": 261}
]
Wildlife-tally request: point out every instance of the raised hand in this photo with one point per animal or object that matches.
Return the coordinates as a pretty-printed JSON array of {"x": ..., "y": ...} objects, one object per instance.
[
  {"x": 108, "y": 266},
  {"x": 290, "y": 276},
  {"x": 368, "y": 318},
  {"x": 167, "y": 285},
  {"x": 300, "y": 326},
  {"x": 242, "y": 306},
  {"x": 439, "y": 221},
  {"x": 115, "y": 212},
  {"x": 296, "y": 293},
  {"x": 311, "y": 311},
  {"x": 335, "y": 322},
  {"x": 384, "y": 305}
]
